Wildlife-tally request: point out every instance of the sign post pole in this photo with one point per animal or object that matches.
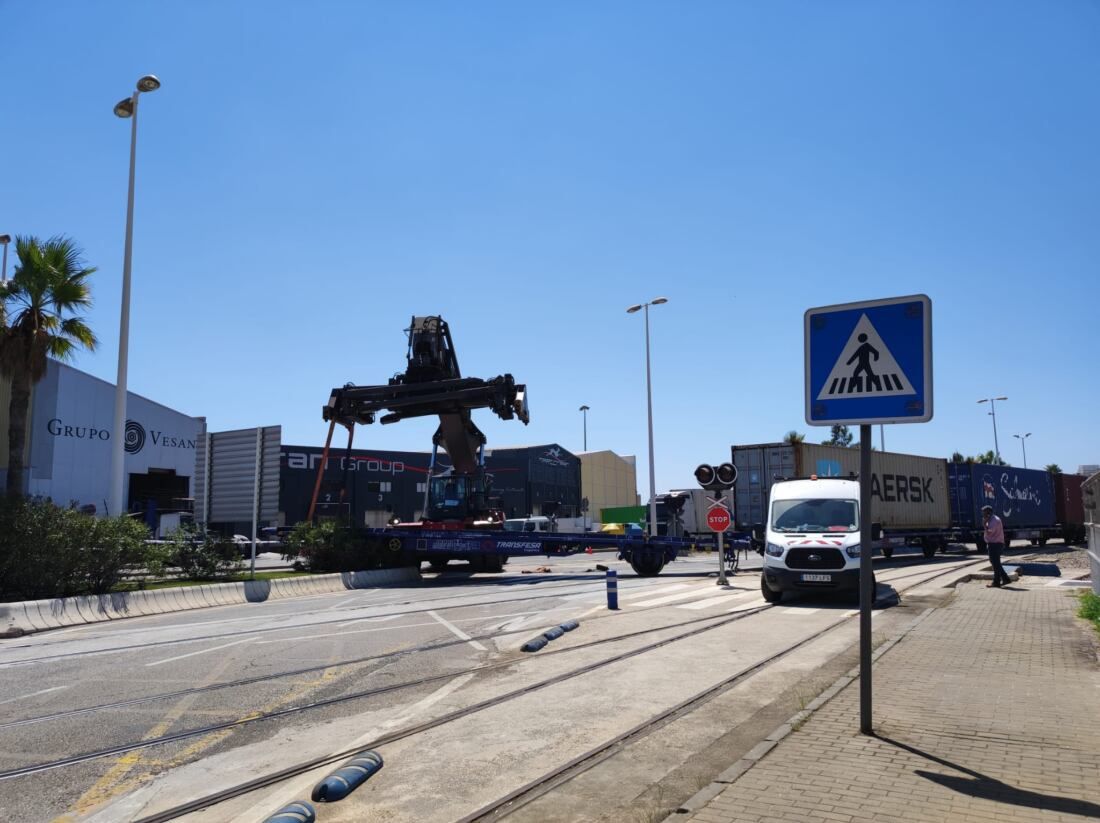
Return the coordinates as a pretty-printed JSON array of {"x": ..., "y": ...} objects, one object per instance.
[
  {"x": 722, "y": 550},
  {"x": 866, "y": 575}
]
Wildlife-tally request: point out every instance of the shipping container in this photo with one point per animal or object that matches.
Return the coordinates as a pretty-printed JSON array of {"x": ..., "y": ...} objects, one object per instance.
[
  {"x": 1069, "y": 506},
  {"x": 908, "y": 493},
  {"x": 1022, "y": 498}
]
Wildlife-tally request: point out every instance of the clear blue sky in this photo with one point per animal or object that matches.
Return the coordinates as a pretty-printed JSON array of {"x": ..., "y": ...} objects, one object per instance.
[{"x": 312, "y": 174}]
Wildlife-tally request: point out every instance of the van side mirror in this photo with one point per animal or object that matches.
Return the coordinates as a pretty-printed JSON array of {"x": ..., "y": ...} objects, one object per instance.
[
  {"x": 758, "y": 532},
  {"x": 876, "y": 531}
]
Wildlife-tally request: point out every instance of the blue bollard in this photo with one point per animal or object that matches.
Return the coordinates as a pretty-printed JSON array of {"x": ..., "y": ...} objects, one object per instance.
[
  {"x": 534, "y": 644},
  {"x": 297, "y": 812},
  {"x": 347, "y": 778},
  {"x": 612, "y": 590}
]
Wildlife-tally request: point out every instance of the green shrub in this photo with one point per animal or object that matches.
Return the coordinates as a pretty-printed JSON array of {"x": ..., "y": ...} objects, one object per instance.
[
  {"x": 47, "y": 551},
  {"x": 1090, "y": 608},
  {"x": 117, "y": 543},
  {"x": 202, "y": 555},
  {"x": 328, "y": 547}
]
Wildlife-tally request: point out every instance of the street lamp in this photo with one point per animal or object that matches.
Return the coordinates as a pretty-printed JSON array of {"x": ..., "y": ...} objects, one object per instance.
[
  {"x": 125, "y": 108},
  {"x": 1023, "y": 444},
  {"x": 4, "y": 240},
  {"x": 657, "y": 301},
  {"x": 992, "y": 401},
  {"x": 584, "y": 413}
]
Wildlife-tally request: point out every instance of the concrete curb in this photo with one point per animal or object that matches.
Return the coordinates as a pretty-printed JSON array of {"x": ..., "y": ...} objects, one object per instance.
[
  {"x": 698, "y": 800},
  {"x": 28, "y": 616}
]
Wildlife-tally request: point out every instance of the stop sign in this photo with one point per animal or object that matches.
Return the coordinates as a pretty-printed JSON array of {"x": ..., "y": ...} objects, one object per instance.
[{"x": 718, "y": 519}]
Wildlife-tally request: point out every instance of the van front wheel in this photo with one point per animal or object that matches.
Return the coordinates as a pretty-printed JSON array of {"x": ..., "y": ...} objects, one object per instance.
[{"x": 769, "y": 595}]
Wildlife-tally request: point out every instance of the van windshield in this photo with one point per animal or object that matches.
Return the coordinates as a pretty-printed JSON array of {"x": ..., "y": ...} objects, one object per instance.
[{"x": 828, "y": 515}]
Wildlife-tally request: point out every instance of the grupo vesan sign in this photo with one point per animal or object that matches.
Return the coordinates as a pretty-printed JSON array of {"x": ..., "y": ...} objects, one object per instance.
[{"x": 136, "y": 435}]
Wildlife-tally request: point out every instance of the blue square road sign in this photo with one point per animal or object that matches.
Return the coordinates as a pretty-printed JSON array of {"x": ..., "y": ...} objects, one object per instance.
[{"x": 869, "y": 362}]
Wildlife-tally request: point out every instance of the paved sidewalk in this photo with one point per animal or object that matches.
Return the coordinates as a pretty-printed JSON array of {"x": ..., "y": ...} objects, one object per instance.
[{"x": 988, "y": 710}]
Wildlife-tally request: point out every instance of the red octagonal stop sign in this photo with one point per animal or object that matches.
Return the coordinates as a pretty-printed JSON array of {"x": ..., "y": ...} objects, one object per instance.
[{"x": 718, "y": 519}]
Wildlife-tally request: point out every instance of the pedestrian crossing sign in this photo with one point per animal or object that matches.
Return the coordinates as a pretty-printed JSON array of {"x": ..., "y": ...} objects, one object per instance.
[{"x": 869, "y": 362}]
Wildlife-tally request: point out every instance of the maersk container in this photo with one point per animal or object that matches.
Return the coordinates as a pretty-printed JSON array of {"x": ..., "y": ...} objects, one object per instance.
[
  {"x": 908, "y": 492},
  {"x": 1069, "y": 505},
  {"x": 1022, "y": 498}
]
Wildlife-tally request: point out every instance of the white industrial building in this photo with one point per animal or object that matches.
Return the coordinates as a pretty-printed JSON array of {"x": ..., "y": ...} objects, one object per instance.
[{"x": 68, "y": 448}]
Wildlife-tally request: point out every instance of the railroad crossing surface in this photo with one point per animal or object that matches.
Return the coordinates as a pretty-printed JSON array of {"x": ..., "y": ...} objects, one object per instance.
[{"x": 159, "y": 717}]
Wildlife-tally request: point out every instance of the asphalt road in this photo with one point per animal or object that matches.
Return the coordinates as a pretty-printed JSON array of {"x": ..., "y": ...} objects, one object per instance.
[{"x": 301, "y": 651}]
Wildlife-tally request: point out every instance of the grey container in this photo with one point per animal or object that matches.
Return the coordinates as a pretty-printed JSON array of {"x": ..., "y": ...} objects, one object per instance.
[{"x": 908, "y": 492}]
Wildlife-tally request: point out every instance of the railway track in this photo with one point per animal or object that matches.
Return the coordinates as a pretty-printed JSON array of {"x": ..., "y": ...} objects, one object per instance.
[{"x": 564, "y": 772}]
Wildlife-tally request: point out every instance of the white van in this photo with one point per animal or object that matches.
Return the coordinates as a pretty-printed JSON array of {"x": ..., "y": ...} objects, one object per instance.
[
  {"x": 528, "y": 524},
  {"x": 811, "y": 540}
]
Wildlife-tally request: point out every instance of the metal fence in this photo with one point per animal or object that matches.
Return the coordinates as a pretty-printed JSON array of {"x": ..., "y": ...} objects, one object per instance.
[{"x": 1090, "y": 490}]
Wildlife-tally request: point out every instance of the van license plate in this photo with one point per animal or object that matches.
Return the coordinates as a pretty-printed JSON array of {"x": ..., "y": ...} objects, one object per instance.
[{"x": 817, "y": 578}]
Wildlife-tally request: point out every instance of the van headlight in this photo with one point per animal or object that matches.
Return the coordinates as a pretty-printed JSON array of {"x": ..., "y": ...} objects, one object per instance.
[
  {"x": 852, "y": 551},
  {"x": 774, "y": 550}
]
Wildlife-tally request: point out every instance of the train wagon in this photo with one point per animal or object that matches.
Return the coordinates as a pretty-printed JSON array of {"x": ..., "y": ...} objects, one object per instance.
[
  {"x": 1024, "y": 499},
  {"x": 1069, "y": 506},
  {"x": 909, "y": 493}
]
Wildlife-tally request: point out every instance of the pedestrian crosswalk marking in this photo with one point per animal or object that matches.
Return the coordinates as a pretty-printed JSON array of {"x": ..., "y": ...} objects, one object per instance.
[
  {"x": 865, "y": 368},
  {"x": 721, "y": 600}
]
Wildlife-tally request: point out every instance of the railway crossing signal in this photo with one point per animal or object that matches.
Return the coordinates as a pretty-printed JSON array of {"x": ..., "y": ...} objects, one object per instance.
[{"x": 718, "y": 479}]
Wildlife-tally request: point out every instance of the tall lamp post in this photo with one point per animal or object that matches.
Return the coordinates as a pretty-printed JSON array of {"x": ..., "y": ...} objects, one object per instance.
[
  {"x": 127, "y": 107},
  {"x": 4, "y": 240},
  {"x": 992, "y": 401},
  {"x": 584, "y": 413},
  {"x": 657, "y": 301},
  {"x": 1023, "y": 444}
]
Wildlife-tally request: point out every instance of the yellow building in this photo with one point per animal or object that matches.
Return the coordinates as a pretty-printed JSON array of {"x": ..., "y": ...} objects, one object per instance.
[{"x": 608, "y": 480}]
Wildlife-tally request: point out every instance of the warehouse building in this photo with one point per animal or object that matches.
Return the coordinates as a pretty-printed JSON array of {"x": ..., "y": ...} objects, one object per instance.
[
  {"x": 67, "y": 455},
  {"x": 608, "y": 480},
  {"x": 380, "y": 485}
]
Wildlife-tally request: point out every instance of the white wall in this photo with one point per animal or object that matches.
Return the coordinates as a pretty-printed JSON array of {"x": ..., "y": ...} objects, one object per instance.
[{"x": 71, "y": 433}]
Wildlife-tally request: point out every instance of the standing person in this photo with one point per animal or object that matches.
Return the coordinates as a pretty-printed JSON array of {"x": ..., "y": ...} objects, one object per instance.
[{"x": 995, "y": 544}]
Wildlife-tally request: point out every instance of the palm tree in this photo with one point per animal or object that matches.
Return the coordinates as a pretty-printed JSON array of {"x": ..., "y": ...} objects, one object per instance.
[
  {"x": 1054, "y": 468},
  {"x": 793, "y": 438},
  {"x": 38, "y": 320}
]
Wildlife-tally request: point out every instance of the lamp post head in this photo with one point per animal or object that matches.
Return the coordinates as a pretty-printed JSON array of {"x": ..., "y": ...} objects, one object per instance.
[
  {"x": 5, "y": 239},
  {"x": 583, "y": 408},
  {"x": 658, "y": 301},
  {"x": 124, "y": 108},
  {"x": 633, "y": 309},
  {"x": 1000, "y": 398},
  {"x": 148, "y": 83}
]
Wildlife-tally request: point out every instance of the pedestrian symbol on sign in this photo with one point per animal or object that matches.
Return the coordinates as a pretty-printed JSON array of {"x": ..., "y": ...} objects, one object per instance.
[{"x": 865, "y": 368}]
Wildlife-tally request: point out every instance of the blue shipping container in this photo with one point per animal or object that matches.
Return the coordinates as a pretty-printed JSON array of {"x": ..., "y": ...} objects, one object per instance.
[{"x": 1022, "y": 498}]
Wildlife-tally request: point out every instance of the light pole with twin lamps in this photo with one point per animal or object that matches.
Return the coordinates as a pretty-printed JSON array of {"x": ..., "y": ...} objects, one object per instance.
[{"x": 127, "y": 107}]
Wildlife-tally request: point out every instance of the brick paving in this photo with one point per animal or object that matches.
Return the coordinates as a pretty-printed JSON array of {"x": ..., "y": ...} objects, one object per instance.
[{"x": 988, "y": 710}]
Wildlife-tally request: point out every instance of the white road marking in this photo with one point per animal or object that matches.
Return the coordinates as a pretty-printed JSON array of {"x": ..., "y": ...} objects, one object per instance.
[
  {"x": 341, "y": 634},
  {"x": 385, "y": 618},
  {"x": 749, "y": 604},
  {"x": 668, "y": 598},
  {"x": 344, "y": 602},
  {"x": 628, "y": 594},
  {"x": 796, "y": 610},
  {"x": 720, "y": 600},
  {"x": 201, "y": 651},
  {"x": 33, "y": 694},
  {"x": 456, "y": 631},
  {"x": 302, "y": 786}
]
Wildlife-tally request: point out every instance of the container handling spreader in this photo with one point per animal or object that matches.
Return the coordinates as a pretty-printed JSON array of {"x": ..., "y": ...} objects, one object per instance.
[{"x": 460, "y": 519}]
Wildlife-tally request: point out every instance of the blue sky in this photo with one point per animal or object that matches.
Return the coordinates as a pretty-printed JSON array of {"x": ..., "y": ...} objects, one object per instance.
[{"x": 311, "y": 175}]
